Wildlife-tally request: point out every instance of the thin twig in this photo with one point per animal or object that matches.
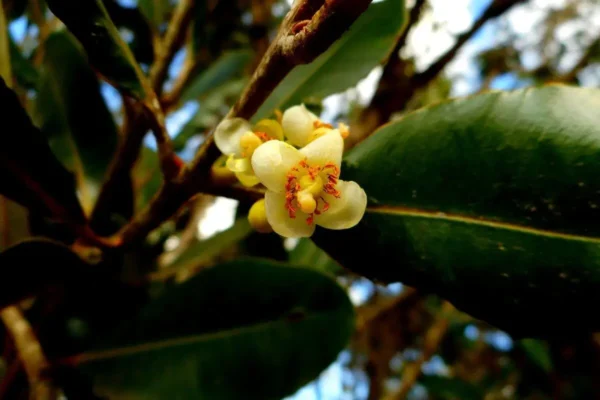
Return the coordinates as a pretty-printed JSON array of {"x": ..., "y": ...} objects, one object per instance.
[
  {"x": 30, "y": 353},
  {"x": 433, "y": 339},
  {"x": 188, "y": 71},
  {"x": 307, "y": 31},
  {"x": 174, "y": 37}
]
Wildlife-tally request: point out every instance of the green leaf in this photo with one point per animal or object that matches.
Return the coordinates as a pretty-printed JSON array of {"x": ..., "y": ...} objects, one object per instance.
[
  {"x": 30, "y": 173},
  {"x": 491, "y": 201},
  {"x": 245, "y": 329},
  {"x": 538, "y": 352},
  {"x": 5, "y": 68},
  {"x": 25, "y": 268},
  {"x": 22, "y": 68},
  {"x": 451, "y": 388},
  {"x": 107, "y": 52},
  {"x": 229, "y": 66},
  {"x": 155, "y": 11},
  {"x": 368, "y": 42},
  {"x": 203, "y": 252},
  {"x": 146, "y": 177},
  {"x": 82, "y": 134},
  {"x": 309, "y": 254}
]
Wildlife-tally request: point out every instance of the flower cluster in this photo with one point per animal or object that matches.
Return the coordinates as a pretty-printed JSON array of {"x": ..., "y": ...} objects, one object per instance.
[{"x": 298, "y": 159}]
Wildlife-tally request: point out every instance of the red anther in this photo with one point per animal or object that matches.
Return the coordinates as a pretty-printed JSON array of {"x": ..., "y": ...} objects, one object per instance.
[
  {"x": 310, "y": 219},
  {"x": 263, "y": 136},
  {"x": 321, "y": 124}
]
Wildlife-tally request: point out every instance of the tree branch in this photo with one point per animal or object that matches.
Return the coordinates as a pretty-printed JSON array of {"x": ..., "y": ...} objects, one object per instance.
[
  {"x": 397, "y": 88},
  {"x": 308, "y": 30},
  {"x": 433, "y": 339},
  {"x": 174, "y": 37},
  {"x": 30, "y": 353}
]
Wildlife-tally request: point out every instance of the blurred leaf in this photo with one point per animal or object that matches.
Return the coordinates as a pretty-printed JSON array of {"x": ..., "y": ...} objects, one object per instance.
[
  {"x": 538, "y": 352},
  {"x": 451, "y": 388},
  {"x": 368, "y": 42},
  {"x": 246, "y": 329},
  {"x": 132, "y": 19},
  {"x": 490, "y": 201},
  {"x": 23, "y": 70},
  {"x": 26, "y": 269},
  {"x": 309, "y": 254},
  {"x": 155, "y": 11},
  {"x": 146, "y": 177},
  {"x": 5, "y": 68},
  {"x": 107, "y": 52},
  {"x": 82, "y": 134},
  {"x": 13, "y": 223},
  {"x": 30, "y": 174},
  {"x": 201, "y": 30},
  {"x": 203, "y": 252},
  {"x": 230, "y": 65}
]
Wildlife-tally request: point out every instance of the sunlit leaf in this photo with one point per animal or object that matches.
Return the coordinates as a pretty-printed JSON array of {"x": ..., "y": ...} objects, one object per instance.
[
  {"x": 367, "y": 43},
  {"x": 490, "y": 201}
]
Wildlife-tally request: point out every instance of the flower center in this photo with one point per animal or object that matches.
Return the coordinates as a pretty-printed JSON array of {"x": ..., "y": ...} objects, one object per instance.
[{"x": 306, "y": 186}]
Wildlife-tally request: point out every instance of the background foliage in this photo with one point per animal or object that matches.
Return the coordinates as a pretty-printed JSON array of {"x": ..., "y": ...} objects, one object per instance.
[{"x": 480, "y": 237}]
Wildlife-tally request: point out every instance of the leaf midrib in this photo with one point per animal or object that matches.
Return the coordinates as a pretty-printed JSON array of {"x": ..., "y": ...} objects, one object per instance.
[
  {"x": 450, "y": 217},
  {"x": 182, "y": 341}
]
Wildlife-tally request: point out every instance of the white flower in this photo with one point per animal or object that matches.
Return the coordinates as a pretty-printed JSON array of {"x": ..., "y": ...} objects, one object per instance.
[
  {"x": 303, "y": 186},
  {"x": 301, "y": 126},
  {"x": 236, "y": 138}
]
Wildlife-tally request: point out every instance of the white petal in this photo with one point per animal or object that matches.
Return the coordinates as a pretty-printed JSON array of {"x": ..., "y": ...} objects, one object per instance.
[
  {"x": 325, "y": 149},
  {"x": 297, "y": 123},
  {"x": 346, "y": 211},
  {"x": 280, "y": 221},
  {"x": 228, "y": 134},
  {"x": 272, "y": 162}
]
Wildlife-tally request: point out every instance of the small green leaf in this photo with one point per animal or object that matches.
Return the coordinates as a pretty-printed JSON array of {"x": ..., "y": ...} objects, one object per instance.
[
  {"x": 107, "y": 52},
  {"x": 229, "y": 66},
  {"x": 491, "y": 201},
  {"x": 26, "y": 269},
  {"x": 146, "y": 177},
  {"x": 309, "y": 254},
  {"x": 443, "y": 388},
  {"x": 82, "y": 134},
  {"x": 538, "y": 352},
  {"x": 202, "y": 252},
  {"x": 155, "y": 11},
  {"x": 30, "y": 173},
  {"x": 246, "y": 329},
  {"x": 367, "y": 43}
]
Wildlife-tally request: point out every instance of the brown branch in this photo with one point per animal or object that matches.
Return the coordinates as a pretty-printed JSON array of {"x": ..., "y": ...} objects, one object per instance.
[
  {"x": 297, "y": 42},
  {"x": 433, "y": 339},
  {"x": 174, "y": 37},
  {"x": 31, "y": 355},
  {"x": 187, "y": 73},
  {"x": 396, "y": 89}
]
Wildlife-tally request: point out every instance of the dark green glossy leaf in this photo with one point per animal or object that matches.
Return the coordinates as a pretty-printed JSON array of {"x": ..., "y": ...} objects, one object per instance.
[
  {"x": 25, "y": 268},
  {"x": 246, "y": 329},
  {"x": 229, "y": 66},
  {"x": 309, "y": 254},
  {"x": 30, "y": 174},
  {"x": 491, "y": 201},
  {"x": 107, "y": 52},
  {"x": 22, "y": 68},
  {"x": 82, "y": 134},
  {"x": 368, "y": 42}
]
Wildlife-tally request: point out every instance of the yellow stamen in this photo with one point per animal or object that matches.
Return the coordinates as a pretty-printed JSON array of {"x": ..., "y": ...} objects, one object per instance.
[
  {"x": 344, "y": 130},
  {"x": 307, "y": 202}
]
